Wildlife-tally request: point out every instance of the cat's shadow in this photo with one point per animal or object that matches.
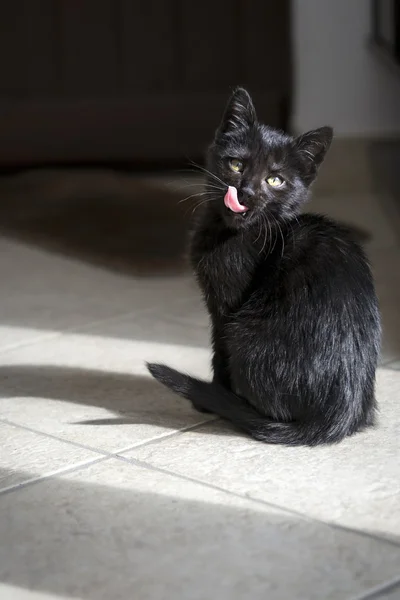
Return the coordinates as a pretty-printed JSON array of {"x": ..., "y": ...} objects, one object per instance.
[{"x": 130, "y": 399}]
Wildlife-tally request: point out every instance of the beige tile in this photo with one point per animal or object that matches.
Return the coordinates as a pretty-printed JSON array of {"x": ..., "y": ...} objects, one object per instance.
[
  {"x": 346, "y": 168},
  {"x": 390, "y": 330},
  {"x": 355, "y": 483},
  {"x": 386, "y": 268},
  {"x": 65, "y": 268},
  {"x": 118, "y": 531},
  {"x": 362, "y": 210},
  {"x": 11, "y": 592},
  {"x": 25, "y": 455},
  {"x": 47, "y": 293},
  {"x": 95, "y": 390},
  {"x": 184, "y": 322},
  {"x": 393, "y": 365},
  {"x": 392, "y": 594}
]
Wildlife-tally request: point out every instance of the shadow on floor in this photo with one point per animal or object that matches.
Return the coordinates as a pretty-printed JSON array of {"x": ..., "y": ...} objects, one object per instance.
[
  {"x": 112, "y": 220},
  {"x": 109, "y": 532},
  {"x": 132, "y": 399},
  {"x": 109, "y": 219},
  {"x": 105, "y": 218}
]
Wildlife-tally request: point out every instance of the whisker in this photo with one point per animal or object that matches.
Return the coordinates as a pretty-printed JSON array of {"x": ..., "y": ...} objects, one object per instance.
[
  {"x": 194, "y": 208},
  {"x": 283, "y": 239},
  {"x": 194, "y": 196},
  {"x": 268, "y": 233},
  {"x": 293, "y": 234},
  {"x": 276, "y": 236},
  {"x": 200, "y": 204},
  {"x": 259, "y": 233},
  {"x": 208, "y": 172},
  {"x": 201, "y": 186},
  {"x": 265, "y": 234},
  {"x": 269, "y": 217}
]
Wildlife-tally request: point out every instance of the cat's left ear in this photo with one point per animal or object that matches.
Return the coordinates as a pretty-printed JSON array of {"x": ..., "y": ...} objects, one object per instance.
[{"x": 312, "y": 147}]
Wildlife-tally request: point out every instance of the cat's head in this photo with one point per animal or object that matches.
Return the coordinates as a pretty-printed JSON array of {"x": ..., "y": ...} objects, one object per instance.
[{"x": 270, "y": 171}]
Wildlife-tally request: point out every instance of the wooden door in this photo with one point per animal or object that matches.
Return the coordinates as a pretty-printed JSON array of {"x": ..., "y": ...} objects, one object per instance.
[{"x": 125, "y": 80}]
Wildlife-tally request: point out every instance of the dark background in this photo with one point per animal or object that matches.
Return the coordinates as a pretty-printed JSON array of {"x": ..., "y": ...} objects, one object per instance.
[{"x": 134, "y": 82}]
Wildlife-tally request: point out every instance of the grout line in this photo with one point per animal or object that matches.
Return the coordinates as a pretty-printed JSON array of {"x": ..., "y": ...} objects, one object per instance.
[
  {"x": 81, "y": 466},
  {"x": 104, "y": 456},
  {"x": 63, "y": 471},
  {"x": 37, "y": 340},
  {"x": 109, "y": 453},
  {"x": 120, "y": 316},
  {"x": 77, "y": 328},
  {"x": 116, "y": 455},
  {"x": 389, "y": 362},
  {"x": 259, "y": 501},
  {"x": 54, "y": 437},
  {"x": 161, "y": 438},
  {"x": 375, "y": 592}
]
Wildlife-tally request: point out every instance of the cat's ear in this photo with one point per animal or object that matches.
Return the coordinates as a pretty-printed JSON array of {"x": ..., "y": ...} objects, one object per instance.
[
  {"x": 239, "y": 114},
  {"x": 312, "y": 147}
]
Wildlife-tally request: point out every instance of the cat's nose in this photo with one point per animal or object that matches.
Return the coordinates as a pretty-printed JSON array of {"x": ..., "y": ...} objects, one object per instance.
[
  {"x": 248, "y": 191},
  {"x": 246, "y": 194}
]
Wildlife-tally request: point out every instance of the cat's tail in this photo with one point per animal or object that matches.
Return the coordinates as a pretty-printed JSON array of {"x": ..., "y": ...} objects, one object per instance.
[{"x": 212, "y": 397}]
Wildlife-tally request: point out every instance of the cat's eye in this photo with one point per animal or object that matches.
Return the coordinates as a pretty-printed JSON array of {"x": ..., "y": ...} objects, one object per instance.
[
  {"x": 275, "y": 181},
  {"x": 236, "y": 165}
]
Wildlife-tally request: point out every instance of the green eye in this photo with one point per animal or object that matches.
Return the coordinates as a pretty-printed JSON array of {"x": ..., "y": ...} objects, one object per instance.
[
  {"x": 236, "y": 165},
  {"x": 275, "y": 181}
]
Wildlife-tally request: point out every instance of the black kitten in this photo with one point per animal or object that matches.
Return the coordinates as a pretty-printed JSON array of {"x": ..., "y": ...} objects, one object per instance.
[{"x": 295, "y": 319}]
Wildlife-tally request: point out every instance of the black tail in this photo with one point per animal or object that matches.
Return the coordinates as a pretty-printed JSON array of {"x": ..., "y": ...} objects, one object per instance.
[{"x": 214, "y": 398}]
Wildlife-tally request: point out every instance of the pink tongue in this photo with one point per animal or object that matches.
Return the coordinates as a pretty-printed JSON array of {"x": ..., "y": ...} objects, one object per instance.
[{"x": 232, "y": 202}]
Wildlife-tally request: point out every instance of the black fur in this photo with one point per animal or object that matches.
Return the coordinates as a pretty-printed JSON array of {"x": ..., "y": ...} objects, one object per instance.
[{"x": 295, "y": 319}]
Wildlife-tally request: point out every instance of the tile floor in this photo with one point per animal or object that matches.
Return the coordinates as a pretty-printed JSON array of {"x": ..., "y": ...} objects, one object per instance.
[{"x": 113, "y": 488}]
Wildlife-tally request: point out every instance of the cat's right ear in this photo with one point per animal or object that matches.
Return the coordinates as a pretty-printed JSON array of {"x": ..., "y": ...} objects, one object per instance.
[{"x": 239, "y": 114}]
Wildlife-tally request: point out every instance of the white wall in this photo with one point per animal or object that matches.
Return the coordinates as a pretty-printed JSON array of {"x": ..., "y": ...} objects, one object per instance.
[{"x": 338, "y": 81}]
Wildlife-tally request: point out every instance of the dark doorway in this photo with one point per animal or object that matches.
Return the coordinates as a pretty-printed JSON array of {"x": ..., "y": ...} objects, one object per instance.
[{"x": 108, "y": 81}]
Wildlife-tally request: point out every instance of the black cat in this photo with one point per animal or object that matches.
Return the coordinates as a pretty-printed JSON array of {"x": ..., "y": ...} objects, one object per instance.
[{"x": 295, "y": 319}]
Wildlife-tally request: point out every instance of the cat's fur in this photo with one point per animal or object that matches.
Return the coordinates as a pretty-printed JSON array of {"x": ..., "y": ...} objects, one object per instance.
[{"x": 295, "y": 319}]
